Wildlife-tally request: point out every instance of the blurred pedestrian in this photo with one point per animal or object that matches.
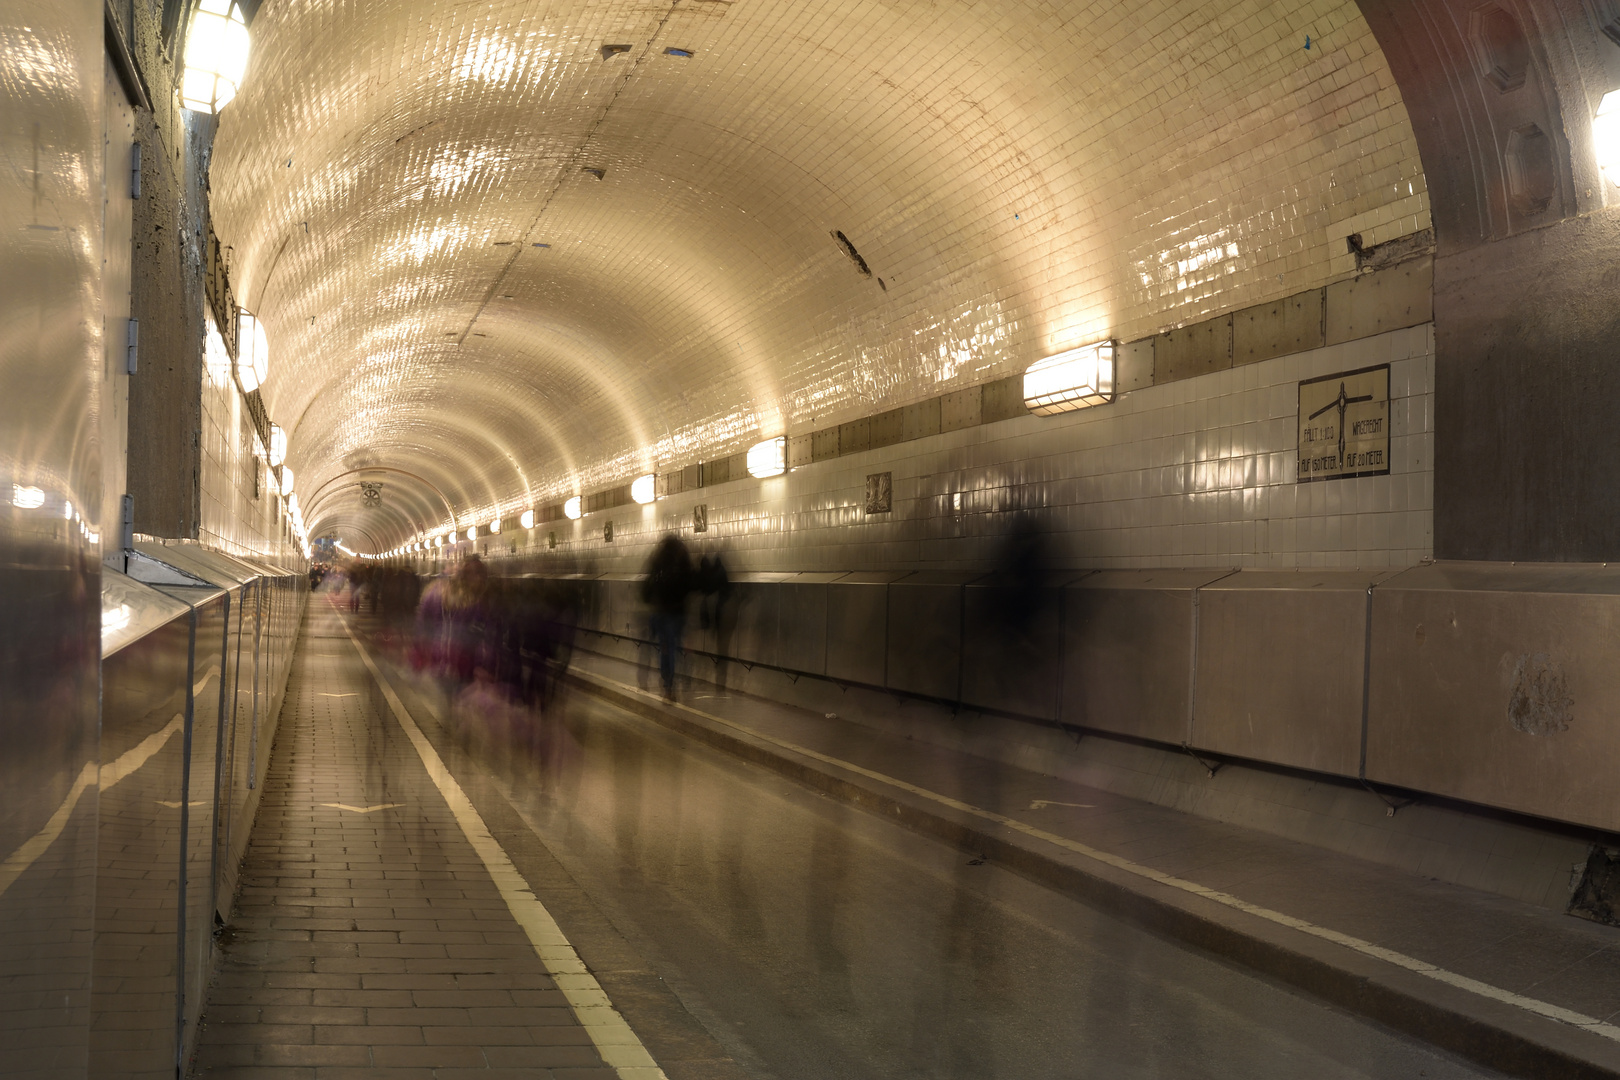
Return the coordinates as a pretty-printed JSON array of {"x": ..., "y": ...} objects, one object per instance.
[{"x": 664, "y": 589}]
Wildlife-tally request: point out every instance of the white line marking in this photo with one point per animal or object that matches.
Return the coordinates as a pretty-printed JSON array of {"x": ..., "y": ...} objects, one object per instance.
[
  {"x": 324, "y": 694},
  {"x": 177, "y": 805},
  {"x": 1366, "y": 948},
  {"x": 1042, "y": 804},
  {"x": 614, "y": 1040},
  {"x": 362, "y": 809}
]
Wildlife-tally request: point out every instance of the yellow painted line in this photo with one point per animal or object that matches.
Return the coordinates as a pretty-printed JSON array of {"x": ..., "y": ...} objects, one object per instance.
[
  {"x": 615, "y": 1041},
  {"x": 1366, "y": 948}
]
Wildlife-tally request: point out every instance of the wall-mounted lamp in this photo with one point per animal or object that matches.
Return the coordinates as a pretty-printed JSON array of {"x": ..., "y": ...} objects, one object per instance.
[
  {"x": 571, "y": 509},
  {"x": 1071, "y": 380},
  {"x": 278, "y": 445},
  {"x": 527, "y": 520},
  {"x": 644, "y": 489},
  {"x": 252, "y": 354},
  {"x": 472, "y": 532},
  {"x": 217, "y": 44},
  {"x": 495, "y": 527},
  {"x": 1606, "y": 135},
  {"x": 286, "y": 480},
  {"x": 768, "y": 458}
]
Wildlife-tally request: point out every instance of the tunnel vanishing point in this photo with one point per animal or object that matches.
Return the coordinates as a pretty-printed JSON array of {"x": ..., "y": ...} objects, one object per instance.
[{"x": 1147, "y": 590}]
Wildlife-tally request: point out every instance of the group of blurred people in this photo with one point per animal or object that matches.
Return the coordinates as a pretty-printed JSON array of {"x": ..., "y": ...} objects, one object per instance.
[{"x": 500, "y": 647}]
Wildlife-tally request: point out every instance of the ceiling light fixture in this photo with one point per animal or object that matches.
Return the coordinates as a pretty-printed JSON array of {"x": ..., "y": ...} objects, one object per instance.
[
  {"x": 278, "y": 445},
  {"x": 252, "y": 353},
  {"x": 768, "y": 458},
  {"x": 1076, "y": 379},
  {"x": 495, "y": 527},
  {"x": 644, "y": 489},
  {"x": 216, "y": 57},
  {"x": 571, "y": 509},
  {"x": 527, "y": 520},
  {"x": 1606, "y": 135}
]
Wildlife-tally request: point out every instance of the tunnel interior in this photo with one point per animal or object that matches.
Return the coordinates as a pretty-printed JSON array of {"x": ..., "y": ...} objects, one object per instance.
[{"x": 736, "y": 538}]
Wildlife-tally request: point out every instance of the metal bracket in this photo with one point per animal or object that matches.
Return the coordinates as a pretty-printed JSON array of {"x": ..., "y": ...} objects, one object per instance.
[
  {"x": 1211, "y": 767},
  {"x": 1390, "y": 805}
]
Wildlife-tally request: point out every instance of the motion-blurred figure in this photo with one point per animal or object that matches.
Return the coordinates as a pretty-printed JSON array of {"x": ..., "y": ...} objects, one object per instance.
[
  {"x": 1022, "y": 561},
  {"x": 714, "y": 587},
  {"x": 664, "y": 590}
]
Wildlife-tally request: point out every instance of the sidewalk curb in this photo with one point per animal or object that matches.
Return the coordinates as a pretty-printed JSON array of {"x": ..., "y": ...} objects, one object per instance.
[{"x": 1491, "y": 1033}]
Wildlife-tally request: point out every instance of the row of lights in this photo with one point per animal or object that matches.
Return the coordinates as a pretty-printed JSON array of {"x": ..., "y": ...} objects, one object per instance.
[{"x": 1075, "y": 379}]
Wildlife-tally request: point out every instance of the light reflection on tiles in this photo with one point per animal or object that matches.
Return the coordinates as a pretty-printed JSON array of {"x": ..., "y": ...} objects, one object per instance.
[{"x": 375, "y": 159}]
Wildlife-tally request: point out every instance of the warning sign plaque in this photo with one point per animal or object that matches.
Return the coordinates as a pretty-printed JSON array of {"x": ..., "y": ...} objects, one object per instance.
[{"x": 1344, "y": 425}]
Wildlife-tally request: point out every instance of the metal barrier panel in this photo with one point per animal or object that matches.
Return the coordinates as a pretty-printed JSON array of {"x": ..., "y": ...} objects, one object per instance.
[
  {"x": 1011, "y": 646},
  {"x": 801, "y": 626},
  {"x": 199, "y": 809},
  {"x": 858, "y": 627},
  {"x": 1281, "y": 666},
  {"x": 756, "y": 603},
  {"x": 1127, "y": 651},
  {"x": 1498, "y": 685},
  {"x": 925, "y": 633},
  {"x": 137, "y": 947},
  {"x": 622, "y": 613}
]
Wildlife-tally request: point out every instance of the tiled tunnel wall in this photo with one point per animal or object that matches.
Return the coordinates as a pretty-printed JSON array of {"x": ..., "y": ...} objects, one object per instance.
[
  {"x": 1195, "y": 472},
  {"x": 1196, "y": 162}
]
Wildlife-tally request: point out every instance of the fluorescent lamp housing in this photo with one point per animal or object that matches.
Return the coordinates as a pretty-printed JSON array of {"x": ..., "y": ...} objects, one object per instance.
[
  {"x": 1606, "y": 135},
  {"x": 527, "y": 520},
  {"x": 25, "y": 497},
  {"x": 768, "y": 458},
  {"x": 1076, "y": 379},
  {"x": 571, "y": 509},
  {"x": 644, "y": 489},
  {"x": 278, "y": 445},
  {"x": 217, "y": 45},
  {"x": 286, "y": 480},
  {"x": 252, "y": 355}
]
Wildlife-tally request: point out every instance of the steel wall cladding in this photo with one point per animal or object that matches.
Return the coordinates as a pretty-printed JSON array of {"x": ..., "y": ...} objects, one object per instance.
[
  {"x": 1012, "y": 645},
  {"x": 801, "y": 628},
  {"x": 924, "y": 651},
  {"x": 139, "y": 861},
  {"x": 858, "y": 627},
  {"x": 1281, "y": 664},
  {"x": 189, "y": 706},
  {"x": 1127, "y": 651},
  {"x": 1488, "y": 682},
  {"x": 1497, "y": 684}
]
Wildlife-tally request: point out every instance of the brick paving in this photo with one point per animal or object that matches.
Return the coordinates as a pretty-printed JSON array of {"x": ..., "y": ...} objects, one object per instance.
[{"x": 372, "y": 944}]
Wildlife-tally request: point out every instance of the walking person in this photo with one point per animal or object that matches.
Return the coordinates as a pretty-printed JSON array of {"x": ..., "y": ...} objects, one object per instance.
[{"x": 665, "y": 588}]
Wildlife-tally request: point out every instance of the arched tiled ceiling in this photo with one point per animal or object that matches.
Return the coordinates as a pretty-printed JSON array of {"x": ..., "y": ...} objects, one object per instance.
[{"x": 1019, "y": 175}]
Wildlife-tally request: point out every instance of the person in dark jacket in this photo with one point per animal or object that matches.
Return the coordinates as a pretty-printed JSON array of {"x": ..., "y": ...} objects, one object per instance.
[{"x": 665, "y": 588}]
